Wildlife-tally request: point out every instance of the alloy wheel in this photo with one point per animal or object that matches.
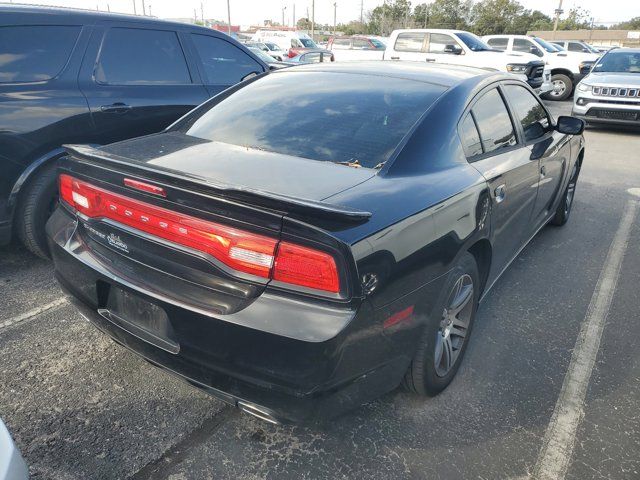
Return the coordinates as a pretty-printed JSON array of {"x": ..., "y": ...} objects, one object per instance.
[
  {"x": 454, "y": 325},
  {"x": 559, "y": 87}
]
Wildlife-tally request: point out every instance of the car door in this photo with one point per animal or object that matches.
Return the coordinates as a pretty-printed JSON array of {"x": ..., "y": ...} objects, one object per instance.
[
  {"x": 221, "y": 63},
  {"x": 410, "y": 46},
  {"x": 492, "y": 145},
  {"x": 441, "y": 49},
  {"x": 549, "y": 148},
  {"x": 137, "y": 81}
]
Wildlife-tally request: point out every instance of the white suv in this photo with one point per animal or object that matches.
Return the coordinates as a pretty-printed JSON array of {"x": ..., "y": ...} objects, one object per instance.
[
  {"x": 457, "y": 47},
  {"x": 565, "y": 66}
]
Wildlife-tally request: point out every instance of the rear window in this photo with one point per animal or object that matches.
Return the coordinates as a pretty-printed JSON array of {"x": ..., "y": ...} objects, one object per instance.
[
  {"x": 35, "y": 53},
  {"x": 410, "y": 42},
  {"x": 335, "y": 117}
]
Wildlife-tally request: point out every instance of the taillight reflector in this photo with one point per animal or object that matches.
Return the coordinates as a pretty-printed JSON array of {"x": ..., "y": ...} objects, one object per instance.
[{"x": 238, "y": 249}]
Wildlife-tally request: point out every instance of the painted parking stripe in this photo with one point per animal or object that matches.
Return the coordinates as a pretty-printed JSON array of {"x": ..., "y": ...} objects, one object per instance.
[
  {"x": 555, "y": 455},
  {"x": 32, "y": 313}
]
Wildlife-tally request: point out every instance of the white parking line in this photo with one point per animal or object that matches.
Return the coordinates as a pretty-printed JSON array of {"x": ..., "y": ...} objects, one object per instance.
[
  {"x": 32, "y": 313},
  {"x": 555, "y": 455}
]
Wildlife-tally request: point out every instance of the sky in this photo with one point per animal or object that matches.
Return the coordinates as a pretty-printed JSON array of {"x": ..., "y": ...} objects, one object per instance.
[{"x": 247, "y": 12}]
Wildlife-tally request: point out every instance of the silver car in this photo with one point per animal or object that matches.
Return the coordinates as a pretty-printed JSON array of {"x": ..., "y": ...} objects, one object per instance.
[
  {"x": 12, "y": 466},
  {"x": 610, "y": 93}
]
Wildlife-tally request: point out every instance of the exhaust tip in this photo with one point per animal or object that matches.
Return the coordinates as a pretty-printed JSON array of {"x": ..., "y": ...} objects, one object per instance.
[{"x": 257, "y": 412}]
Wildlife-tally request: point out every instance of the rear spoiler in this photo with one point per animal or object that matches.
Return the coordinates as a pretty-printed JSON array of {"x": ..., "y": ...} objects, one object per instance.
[{"x": 236, "y": 192}]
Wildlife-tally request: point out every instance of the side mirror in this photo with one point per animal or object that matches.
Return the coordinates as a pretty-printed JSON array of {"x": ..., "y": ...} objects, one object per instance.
[
  {"x": 452, "y": 49},
  {"x": 570, "y": 125}
]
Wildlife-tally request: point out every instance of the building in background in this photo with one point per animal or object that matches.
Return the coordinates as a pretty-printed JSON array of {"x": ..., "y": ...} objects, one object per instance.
[{"x": 617, "y": 38}]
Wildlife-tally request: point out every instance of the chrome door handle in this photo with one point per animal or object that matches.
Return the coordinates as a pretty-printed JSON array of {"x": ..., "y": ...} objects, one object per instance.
[
  {"x": 431, "y": 59},
  {"x": 116, "y": 108},
  {"x": 395, "y": 58},
  {"x": 500, "y": 192}
]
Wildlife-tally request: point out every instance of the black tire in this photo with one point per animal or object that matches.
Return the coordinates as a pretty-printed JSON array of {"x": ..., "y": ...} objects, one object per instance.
[
  {"x": 422, "y": 376},
  {"x": 559, "y": 95},
  {"x": 35, "y": 205},
  {"x": 564, "y": 207}
]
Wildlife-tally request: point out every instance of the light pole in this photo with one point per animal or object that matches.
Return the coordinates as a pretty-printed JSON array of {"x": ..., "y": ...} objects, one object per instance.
[
  {"x": 283, "y": 10},
  {"x": 134, "y": 7},
  {"x": 293, "y": 17},
  {"x": 228, "y": 18},
  {"x": 144, "y": 11},
  {"x": 313, "y": 19},
  {"x": 335, "y": 6},
  {"x": 555, "y": 23}
]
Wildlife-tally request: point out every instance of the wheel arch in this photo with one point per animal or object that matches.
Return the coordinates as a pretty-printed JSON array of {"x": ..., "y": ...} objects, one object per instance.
[
  {"x": 563, "y": 71},
  {"x": 482, "y": 252}
]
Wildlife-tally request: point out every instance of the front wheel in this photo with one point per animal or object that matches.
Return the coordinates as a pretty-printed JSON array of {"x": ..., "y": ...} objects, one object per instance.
[
  {"x": 564, "y": 208},
  {"x": 562, "y": 87},
  {"x": 446, "y": 336}
]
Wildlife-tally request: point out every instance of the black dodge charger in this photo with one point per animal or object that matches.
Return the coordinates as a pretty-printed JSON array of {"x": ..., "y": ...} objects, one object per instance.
[{"x": 312, "y": 238}]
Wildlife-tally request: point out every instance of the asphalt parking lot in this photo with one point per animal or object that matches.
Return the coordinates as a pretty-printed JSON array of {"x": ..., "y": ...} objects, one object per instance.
[{"x": 80, "y": 406}]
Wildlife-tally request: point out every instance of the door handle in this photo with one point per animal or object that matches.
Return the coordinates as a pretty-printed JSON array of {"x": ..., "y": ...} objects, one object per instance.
[
  {"x": 431, "y": 59},
  {"x": 395, "y": 58},
  {"x": 500, "y": 192},
  {"x": 543, "y": 171},
  {"x": 116, "y": 108}
]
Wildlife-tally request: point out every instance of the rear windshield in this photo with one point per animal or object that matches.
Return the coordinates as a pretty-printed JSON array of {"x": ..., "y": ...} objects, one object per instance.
[{"x": 334, "y": 117}]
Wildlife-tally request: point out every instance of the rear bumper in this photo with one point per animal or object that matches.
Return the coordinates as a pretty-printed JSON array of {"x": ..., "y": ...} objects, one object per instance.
[{"x": 283, "y": 379}]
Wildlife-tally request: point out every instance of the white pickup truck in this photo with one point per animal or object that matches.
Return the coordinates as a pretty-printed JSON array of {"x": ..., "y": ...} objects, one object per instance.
[
  {"x": 565, "y": 66},
  {"x": 457, "y": 47}
]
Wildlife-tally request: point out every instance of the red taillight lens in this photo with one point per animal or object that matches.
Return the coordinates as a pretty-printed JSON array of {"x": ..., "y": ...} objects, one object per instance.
[
  {"x": 238, "y": 249},
  {"x": 306, "y": 267}
]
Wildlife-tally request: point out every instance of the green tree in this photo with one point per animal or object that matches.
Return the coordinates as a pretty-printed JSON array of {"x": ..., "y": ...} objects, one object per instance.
[
  {"x": 303, "y": 24},
  {"x": 496, "y": 16},
  {"x": 389, "y": 16},
  {"x": 529, "y": 21},
  {"x": 633, "y": 24},
  {"x": 445, "y": 14},
  {"x": 577, "y": 18}
]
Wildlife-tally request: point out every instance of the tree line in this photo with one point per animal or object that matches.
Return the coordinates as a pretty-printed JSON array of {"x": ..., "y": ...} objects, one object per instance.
[{"x": 485, "y": 17}]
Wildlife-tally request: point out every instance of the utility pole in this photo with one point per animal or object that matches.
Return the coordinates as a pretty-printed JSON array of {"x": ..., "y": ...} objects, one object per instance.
[
  {"x": 283, "y": 10},
  {"x": 144, "y": 12},
  {"x": 555, "y": 22},
  {"x": 229, "y": 17},
  {"x": 313, "y": 19},
  {"x": 293, "y": 17},
  {"x": 361, "y": 10},
  {"x": 335, "y": 5},
  {"x": 384, "y": 9},
  {"x": 149, "y": 9},
  {"x": 202, "y": 13},
  {"x": 134, "y": 8}
]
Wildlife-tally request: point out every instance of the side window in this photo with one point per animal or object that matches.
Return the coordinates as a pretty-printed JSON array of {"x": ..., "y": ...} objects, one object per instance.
[
  {"x": 438, "y": 41},
  {"x": 28, "y": 54},
  {"x": 313, "y": 57},
  {"x": 470, "y": 137},
  {"x": 224, "y": 63},
  {"x": 498, "y": 43},
  {"x": 494, "y": 123},
  {"x": 529, "y": 112},
  {"x": 411, "y": 42},
  {"x": 133, "y": 56},
  {"x": 341, "y": 43},
  {"x": 522, "y": 45},
  {"x": 361, "y": 44},
  {"x": 576, "y": 47}
]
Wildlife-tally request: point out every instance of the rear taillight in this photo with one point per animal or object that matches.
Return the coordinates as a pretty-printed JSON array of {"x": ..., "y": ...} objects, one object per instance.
[{"x": 238, "y": 249}]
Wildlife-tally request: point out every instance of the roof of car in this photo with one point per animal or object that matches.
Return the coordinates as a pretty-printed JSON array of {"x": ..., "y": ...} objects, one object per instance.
[
  {"x": 625, "y": 49},
  {"x": 87, "y": 16},
  {"x": 445, "y": 75}
]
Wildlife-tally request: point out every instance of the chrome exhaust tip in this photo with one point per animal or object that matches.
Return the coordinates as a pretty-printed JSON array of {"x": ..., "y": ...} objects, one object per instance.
[{"x": 257, "y": 412}]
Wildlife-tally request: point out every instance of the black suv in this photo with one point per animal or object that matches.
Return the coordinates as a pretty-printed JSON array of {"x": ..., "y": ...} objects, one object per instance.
[{"x": 73, "y": 76}]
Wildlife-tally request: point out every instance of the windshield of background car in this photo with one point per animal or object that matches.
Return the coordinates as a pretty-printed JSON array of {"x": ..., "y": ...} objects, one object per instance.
[
  {"x": 472, "y": 41},
  {"x": 619, "y": 62},
  {"x": 546, "y": 45},
  {"x": 336, "y": 117},
  {"x": 307, "y": 43},
  {"x": 265, "y": 57},
  {"x": 377, "y": 43}
]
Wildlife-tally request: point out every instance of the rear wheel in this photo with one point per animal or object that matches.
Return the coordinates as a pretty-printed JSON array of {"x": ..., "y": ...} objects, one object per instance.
[
  {"x": 37, "y": 202},
  {"x": 562, "y": 87},
  {"x": 446, "y": 336}
]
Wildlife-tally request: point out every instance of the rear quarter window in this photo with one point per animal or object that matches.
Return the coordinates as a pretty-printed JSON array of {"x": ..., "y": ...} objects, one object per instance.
[
  {"x": 410, "y": 42},
  {"x": 35, "y": 53}
]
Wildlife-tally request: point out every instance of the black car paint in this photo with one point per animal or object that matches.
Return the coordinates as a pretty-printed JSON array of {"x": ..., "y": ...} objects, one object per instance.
[
  {"x": 296, "y": 355},
  {"x": 37, "y": 118}
]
